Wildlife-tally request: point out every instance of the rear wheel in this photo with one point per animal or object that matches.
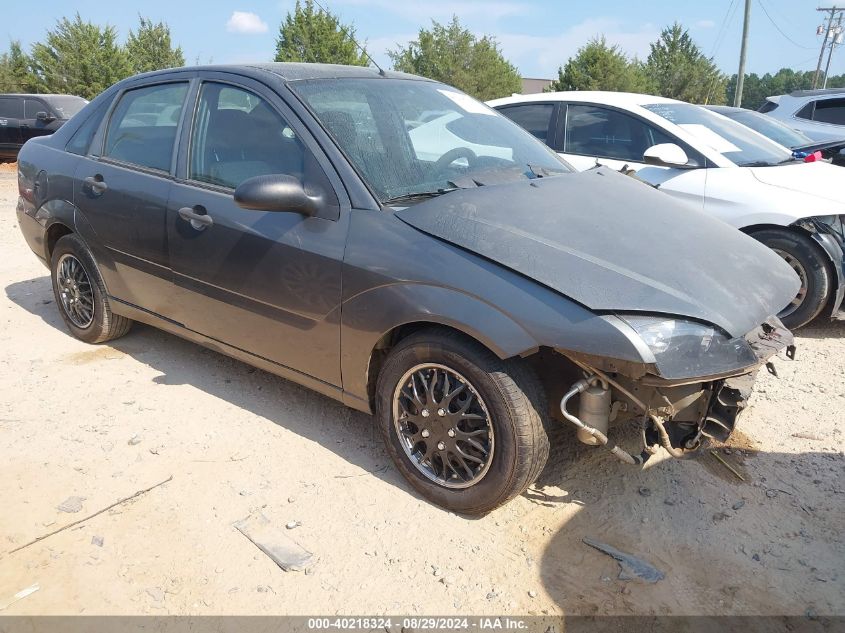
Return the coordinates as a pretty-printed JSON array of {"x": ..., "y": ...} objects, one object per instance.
[
  {"x": 461, "y": 425},
  {"x": 810, "y": 264},
  {"x": 81, "y": 295}
]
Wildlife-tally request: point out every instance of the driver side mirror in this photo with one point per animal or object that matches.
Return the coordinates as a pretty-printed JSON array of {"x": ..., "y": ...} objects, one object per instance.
[
  {"x": 44, "y": 117},
  {"x": 667, "y": 155},
  {"x": 276, "y": 192}
]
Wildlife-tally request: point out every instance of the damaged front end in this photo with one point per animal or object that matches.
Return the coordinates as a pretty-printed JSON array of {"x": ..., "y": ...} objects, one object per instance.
[{"x": 670, "y": 406}]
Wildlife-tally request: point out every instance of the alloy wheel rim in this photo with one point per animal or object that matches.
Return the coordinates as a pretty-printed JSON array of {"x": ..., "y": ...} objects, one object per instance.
[
  {"x": 443, "y": 425},
  {"x": 75, "y": 291},
  {"x": 802, "y": 275}
]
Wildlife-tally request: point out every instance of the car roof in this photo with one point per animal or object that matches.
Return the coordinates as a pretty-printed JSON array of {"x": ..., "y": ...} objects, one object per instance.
[
  {"x": 289, "y": 71},
  {"x": 619, "y": 99},
  {"x": 31, "y": 95}
]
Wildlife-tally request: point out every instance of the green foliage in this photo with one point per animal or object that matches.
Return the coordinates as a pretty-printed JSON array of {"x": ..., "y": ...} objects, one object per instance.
[
  {"x": 15, "y": 72},
  {"x": 597, "y": 66},
  {"x": 151, "y": 49},
  {"x": 451, "y": 54},
  {"x": 310, "y": 35},
  {"x": 79, "y": 58},
  {"x": 676, "y": 68},
  {"x": 756, "y": 88}
]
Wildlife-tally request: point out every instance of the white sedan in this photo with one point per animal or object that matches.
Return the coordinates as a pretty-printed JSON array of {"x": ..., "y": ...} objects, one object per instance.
[{"x": 715, "y": 165}]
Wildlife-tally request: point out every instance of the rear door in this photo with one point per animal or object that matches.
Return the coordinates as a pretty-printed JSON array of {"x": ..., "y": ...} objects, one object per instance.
[
  {"x": 266, "y": 282},
  {"x": 121, "y": 189},
  {"x": 11, "y": 113}
]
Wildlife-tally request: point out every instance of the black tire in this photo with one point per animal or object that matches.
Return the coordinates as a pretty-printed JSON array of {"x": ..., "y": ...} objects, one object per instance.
[
  {"x": 104, "y": 324},
  {"x": 515, "y": 403},
  {"x": 808, "y": 257}
]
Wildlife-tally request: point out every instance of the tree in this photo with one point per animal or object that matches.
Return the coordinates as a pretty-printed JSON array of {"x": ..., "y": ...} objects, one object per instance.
[
  {"x": 597, "y": 66},
  {"x": 676, "y": 68},
  {"x": 15, "y": 70},
  {"x": 79, "y": 58},
  {"x": 451, "y": 54},
  {"x": 784, "y": 81},
  {"x": 310, "y": 35},
  {"x": 151, "y": 49}
]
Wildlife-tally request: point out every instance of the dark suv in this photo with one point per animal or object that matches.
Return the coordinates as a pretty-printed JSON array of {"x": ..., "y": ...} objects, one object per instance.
[{"x": 23, "y": 117}]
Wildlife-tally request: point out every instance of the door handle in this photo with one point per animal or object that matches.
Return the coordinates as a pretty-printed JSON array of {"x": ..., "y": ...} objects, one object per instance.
[
  {"x": 96, "y": 184},
  {"x": 197, "y": 220}
]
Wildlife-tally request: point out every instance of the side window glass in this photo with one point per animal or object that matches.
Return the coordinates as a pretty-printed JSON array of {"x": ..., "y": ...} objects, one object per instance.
[
  {"x": 80, "y": 142},
  {"x": 535, "y": 118},
  {"x": 594, "y": 131},
  {"x": 830, "y": 111},
  {"x": 142, "y": 129},
  {"x": 11, "y": 107},
  {"x": 32, "y": 107},
  {"x": 237, "y": 135},
  {"x": 807, "y": 111}
]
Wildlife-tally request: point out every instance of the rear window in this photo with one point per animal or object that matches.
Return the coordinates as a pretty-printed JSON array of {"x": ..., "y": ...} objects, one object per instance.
[
  {"x": 768, "y": 107},
  {"x": 142, "y": 129},
  {"x": 830, "y": 111},
  {"x": 80, "y": 142}
]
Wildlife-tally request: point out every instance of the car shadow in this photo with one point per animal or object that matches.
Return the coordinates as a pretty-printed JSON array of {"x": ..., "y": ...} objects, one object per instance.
[
  {"x": 350, "y": 434},
  {"x": 823, "y": 328}
]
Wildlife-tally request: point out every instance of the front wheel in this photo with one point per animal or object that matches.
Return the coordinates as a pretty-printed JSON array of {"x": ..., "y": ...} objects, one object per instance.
[
  {"x": 810, "y": 264},
  {"x": 461, "y": 425}
]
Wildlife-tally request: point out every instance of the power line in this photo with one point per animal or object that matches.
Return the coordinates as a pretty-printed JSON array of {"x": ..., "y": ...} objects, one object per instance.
[
  {"x": 774, "y": 24},
  {"x": 720, "y": 35}
]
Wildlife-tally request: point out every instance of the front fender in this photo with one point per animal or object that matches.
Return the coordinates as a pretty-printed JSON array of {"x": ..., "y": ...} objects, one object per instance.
[{"x": 370, "y": 315}]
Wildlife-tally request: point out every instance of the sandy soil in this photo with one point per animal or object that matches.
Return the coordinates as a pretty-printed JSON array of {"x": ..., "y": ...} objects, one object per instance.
[{"x": 236, "y": 440}]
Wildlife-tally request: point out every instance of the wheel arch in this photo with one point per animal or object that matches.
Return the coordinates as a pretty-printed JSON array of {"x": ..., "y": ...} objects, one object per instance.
[
  {"x": 377, "y": 320},
  {"x": 56, "y": 231}
]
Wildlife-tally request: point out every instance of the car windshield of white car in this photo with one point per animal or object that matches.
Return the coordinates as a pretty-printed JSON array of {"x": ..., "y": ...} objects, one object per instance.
[
  {"x": 413, "y": 139},
  {"x": 736, "y": 142}
]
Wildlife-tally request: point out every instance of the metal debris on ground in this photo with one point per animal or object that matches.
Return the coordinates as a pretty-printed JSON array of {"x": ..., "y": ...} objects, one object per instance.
[
  {"x": 631, "y": 567},
  {"x": 23, "y": 593},
  {"x": 71, "y": 504},
  {"x": 727, "y": 465},
  {"x": 97, "y": 540},
  {"x": 284, "y": 551}
]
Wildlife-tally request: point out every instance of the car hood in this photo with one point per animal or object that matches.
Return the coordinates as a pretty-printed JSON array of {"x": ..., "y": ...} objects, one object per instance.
[
  {"x": 821, "y": 180},
  {"x": 614, "y": 244}
]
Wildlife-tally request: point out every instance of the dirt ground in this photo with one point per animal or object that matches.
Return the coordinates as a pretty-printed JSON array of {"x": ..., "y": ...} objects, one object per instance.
[{"x": 103, "y": 422}]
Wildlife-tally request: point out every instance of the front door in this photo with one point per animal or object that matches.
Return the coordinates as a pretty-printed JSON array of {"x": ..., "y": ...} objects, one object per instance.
[
  {"x": 591, "y": 135},
  {"x": 266, "y": 282},
  {"x": 122, "y": 188}
]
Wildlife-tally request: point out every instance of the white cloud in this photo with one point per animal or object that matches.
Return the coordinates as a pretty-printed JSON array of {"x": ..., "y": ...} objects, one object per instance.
[
  {"x": 541, "y": 55},
  {"x": 705, "y": 24},
  {"x": 246, "y": 22}
]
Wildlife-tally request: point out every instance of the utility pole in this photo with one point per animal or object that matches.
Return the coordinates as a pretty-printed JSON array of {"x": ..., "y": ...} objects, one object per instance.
[
  {"x": 831, "y": 11},
  {"x": 836, "y": 35},
  {"x": 740, "y": 76}
]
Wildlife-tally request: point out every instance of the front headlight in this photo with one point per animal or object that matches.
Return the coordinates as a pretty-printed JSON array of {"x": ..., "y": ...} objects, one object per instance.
[{"x": 686, "y": 349}]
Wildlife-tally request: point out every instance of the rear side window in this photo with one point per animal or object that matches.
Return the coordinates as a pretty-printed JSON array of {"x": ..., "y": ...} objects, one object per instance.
[
  {"x": 604, "y": 133},
  {"x": 534, "y": 117},
  {"x": 830, "y": 111},
  {"x": 768, "y": 107},
  {"x": 32, "y": 107},
  {"x": 807, "y": 111},
  {"x": 11, "y": 107},
  {"x": 142, "y": 129},
  {"x": 238, "y": 135},
  {"x": 80, "y": 142}
]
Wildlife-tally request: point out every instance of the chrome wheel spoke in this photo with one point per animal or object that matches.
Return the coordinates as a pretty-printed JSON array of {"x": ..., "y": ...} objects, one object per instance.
[
  {"x": 443, "y": 425},
  {"x": 75, "y": 291}
]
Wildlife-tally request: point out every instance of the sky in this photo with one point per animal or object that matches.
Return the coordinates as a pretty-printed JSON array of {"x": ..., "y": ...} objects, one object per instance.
[{"x": 537, "y": 36}]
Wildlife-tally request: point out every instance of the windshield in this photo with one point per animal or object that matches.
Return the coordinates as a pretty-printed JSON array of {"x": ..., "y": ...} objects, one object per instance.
[
  {"x": 769, "y": 127},
  {"x": 737, "y": 143},
  {"x": 408, "y": 137},
  {"x": 66, "y": 107}
]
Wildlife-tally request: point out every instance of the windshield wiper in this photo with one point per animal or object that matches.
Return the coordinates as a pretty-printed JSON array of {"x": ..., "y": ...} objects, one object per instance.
[{"x": 417, "y": 195}]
